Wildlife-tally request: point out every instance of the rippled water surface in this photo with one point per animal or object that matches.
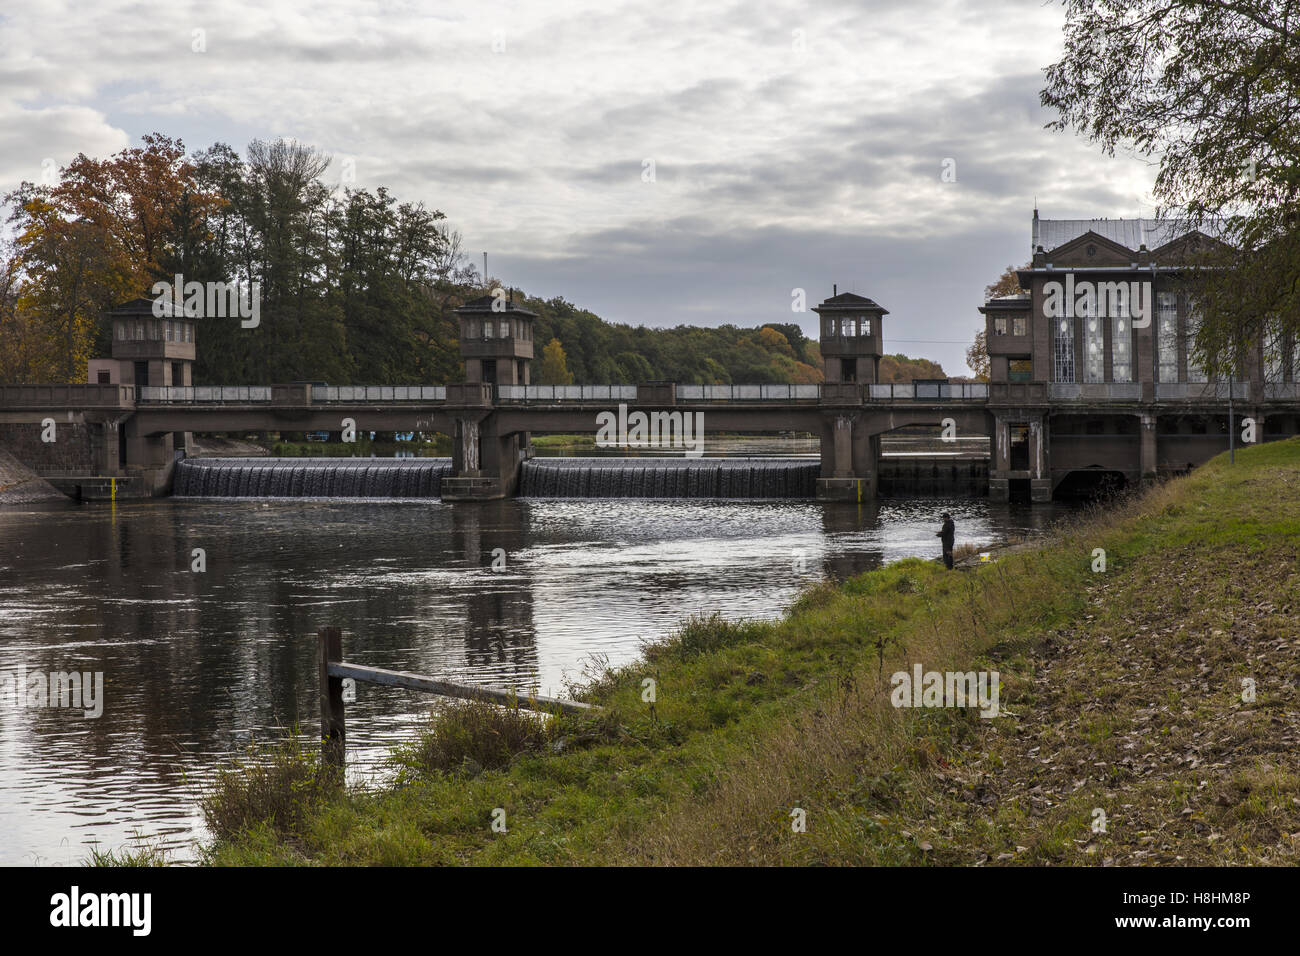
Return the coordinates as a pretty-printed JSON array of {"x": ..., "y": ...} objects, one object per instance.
[{"x": 195, "y": 663}]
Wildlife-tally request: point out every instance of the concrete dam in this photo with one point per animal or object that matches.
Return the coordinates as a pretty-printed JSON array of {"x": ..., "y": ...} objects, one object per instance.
[
  {"x": 642, "y": 477},
  {"x": 310, "y": 477},
  {"x": 540, "y": 478}
]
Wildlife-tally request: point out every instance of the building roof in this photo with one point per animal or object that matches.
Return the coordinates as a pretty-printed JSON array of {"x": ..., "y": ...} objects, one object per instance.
[
  {"x": 484, "y": 304},
  {"x": 1017, "y": 302},
  {"x": 1129, "y": 233},
  {"x": 850, "y": 302},
  {"x": 143, "y": 308}
]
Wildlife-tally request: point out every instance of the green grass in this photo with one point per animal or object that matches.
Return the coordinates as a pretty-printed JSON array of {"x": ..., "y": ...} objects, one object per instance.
[
  {"x": 564, "y": 441},
  {"x": 273, "y": 788},
  {"x": 470, "y": 737},
  {"x": 1120, "y": 691},
  {"x": 439, "y": 447},
  {"x": 141, "y": 853}
]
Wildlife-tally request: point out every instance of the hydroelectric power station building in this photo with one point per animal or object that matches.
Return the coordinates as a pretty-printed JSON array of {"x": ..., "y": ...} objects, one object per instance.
[{"x": 1092, "y": 370}]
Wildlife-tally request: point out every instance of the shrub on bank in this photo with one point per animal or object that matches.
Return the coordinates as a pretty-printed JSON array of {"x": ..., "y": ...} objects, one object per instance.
[
  {"x": 279, "y": 785},
  {"x": 473, "y": 736}
]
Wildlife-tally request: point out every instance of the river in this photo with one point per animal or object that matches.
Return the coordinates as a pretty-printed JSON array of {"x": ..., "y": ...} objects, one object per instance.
[{"x": 196, "y": 664}]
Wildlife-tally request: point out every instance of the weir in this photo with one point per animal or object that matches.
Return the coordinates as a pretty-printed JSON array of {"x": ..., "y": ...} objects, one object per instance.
[
  {"x": 926, "y": 477},
  {"x": 669, "y": 478},
  {"x": 310, "y": 477}
]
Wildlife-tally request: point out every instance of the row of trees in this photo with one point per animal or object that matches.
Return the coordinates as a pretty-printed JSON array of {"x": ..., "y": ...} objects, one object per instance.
[
  {"x": 699, "y": 356},
  {"x": 355, "y": 286},
  {"x": 593, "y": 350}
]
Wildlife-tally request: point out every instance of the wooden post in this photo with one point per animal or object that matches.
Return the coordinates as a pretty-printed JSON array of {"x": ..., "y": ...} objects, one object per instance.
[{"x": 333, "y": 732}]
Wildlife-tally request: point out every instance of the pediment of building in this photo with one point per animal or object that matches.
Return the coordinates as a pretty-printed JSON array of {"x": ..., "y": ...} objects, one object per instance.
[{"x": 1090, "y": 249}]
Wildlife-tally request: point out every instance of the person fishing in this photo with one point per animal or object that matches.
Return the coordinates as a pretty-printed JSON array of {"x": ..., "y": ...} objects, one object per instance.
[{"x": 946, "y": 536}]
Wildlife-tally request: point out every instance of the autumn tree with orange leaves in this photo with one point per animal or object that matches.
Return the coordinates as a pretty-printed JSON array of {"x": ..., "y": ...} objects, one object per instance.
[{"x": 105, "y": 232}]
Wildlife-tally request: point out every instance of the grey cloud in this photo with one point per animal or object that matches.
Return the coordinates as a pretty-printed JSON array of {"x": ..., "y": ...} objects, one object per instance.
[{"x": 677, "y": 273}]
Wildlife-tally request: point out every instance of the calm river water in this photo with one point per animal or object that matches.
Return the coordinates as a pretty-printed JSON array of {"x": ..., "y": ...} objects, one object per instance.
[{"x": 195, "y": 664}]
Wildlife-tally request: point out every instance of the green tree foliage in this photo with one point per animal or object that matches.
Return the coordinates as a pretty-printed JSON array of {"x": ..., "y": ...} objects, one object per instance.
[
  {"x": 102, "y": 232},
  {"x": 898, "y": 369},
  {"x": 603, "y": 352},
  {"x": 552, "y": 369}
]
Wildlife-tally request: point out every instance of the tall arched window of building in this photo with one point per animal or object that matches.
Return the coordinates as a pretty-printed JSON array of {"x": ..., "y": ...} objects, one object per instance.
[
  {"x": 1121, "y": 348},
  {"x": 1094, "y": 347},
  {"x": 1063, "y": 350},
  {"x": 1195, "y": 371},
  {"x": 1167, "y": 336}
]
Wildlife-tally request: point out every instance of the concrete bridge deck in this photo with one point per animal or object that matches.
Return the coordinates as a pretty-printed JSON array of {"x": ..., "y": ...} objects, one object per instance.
[{"x": 128, "y": 431}]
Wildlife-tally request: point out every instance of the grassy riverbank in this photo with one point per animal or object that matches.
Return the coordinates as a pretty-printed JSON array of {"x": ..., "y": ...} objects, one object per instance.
[{"x": 1121, "y": 692}]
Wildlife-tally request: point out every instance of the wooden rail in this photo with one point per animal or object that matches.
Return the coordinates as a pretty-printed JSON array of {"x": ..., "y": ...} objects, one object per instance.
[{"x": 334, "y": 670}]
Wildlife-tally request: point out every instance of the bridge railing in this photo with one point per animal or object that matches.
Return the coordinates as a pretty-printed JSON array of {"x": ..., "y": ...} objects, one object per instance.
[
  {"x": 1095, "y": 391},
  {"x": 241, "y": 394},
  {"x": 748, "y": 393},
  {"x": 566, "y": 393},
  {"x": 922, "y": 391},
  {"x": 200, "y": 394},
  {"x": 67, "y": 396},
  {"x": 379, "y": 393},
  {"x": 511, "y": 394},
  {"x": 684, "y": 393},
  {"x": 1283, "y": 390},
  {"x": 1193, "y": 391}
]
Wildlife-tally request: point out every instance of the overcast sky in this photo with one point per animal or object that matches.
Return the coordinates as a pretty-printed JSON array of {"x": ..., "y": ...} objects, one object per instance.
[{"x": 794, "y": 145}]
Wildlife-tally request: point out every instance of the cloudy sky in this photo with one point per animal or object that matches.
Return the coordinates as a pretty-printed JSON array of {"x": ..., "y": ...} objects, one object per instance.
[{"x": 792, "y": 145}]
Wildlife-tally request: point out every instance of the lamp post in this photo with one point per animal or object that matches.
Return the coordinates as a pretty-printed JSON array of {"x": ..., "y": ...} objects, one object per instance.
[{"x": 1232, "y": 432}]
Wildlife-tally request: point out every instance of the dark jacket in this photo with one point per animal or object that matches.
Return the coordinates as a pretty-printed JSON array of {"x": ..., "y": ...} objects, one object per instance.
[{"x": 948, "y": 534}]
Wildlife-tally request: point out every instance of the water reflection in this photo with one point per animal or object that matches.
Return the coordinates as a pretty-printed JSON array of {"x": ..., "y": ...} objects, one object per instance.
[{"x": 196, "y": 663}]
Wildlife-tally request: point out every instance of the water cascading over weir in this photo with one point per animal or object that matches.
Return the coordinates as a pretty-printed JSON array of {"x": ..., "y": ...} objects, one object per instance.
[
  {"x": 540, "y": 478},
  {"x": 310, "y": 477},
  {"x": 668, "y": 478}
]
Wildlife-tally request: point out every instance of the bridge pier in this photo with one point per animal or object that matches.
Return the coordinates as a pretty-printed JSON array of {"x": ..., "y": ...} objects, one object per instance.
[
  {"x": 850, "y": 460},
  {"x": 485, "y": 463},
  {"x": 1147, "y": 459},
  {"x": 1020, "y": 454},
  {"x": 109, "y": 448},
  {"x": 149, "y": 457}
]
